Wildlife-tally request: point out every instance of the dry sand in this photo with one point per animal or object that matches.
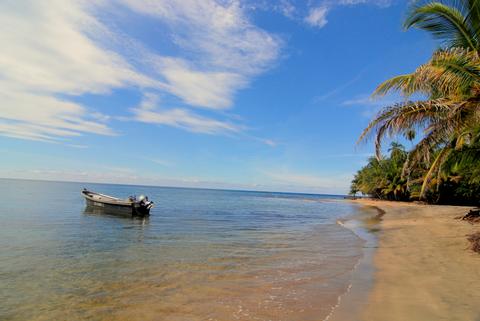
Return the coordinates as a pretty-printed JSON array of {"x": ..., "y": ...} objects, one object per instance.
[{"x": 424, "y": 269}]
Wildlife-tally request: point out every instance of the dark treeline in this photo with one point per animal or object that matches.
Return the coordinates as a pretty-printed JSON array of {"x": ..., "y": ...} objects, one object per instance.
[
  {"x": 458, "y": 182},
  {"x": 444, "y": 166}
]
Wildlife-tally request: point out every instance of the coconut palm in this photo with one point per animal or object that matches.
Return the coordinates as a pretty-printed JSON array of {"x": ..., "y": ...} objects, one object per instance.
[
  {"x": 450, "y": 81},
  {"x": 456, "y": 23},
  {"x": 382, "y": 178}
]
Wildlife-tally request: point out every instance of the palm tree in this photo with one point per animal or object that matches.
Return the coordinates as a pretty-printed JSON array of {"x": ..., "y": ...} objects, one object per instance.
[
  {"x": 456, "y": 23},
  {"x": 382, "y": 178},
  {"x": 450, "y": 81}
]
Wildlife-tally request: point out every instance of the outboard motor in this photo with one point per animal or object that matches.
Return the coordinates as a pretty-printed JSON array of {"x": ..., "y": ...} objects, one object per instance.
[{"x": 144, "y": 202}]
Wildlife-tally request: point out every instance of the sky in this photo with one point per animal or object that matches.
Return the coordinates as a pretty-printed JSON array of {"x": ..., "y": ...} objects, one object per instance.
[{"x": 255, "y": 95}]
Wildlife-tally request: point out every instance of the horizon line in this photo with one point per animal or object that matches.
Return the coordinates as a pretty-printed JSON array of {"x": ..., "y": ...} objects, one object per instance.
[{"x": 166, "y": 186}]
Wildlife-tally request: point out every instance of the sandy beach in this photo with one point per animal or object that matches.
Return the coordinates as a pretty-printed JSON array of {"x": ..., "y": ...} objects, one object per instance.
[{"x": 424, "y": 268}]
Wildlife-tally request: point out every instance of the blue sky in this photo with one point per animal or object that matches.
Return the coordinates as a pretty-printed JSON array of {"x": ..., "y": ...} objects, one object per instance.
[{"x": 263, "y": 95}]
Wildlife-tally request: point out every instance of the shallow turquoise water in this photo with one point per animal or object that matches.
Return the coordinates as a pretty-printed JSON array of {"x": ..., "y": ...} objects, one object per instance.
[{"x": 202, "y": 255}]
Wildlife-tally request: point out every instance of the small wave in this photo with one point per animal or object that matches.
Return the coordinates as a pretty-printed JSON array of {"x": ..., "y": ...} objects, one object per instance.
[
  {"x": 354, "y": 225},
  {"x": 339, "y": 299}
]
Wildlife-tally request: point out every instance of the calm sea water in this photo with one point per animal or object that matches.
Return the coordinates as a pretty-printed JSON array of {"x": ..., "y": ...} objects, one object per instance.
[{"x": 202, "y": 255}]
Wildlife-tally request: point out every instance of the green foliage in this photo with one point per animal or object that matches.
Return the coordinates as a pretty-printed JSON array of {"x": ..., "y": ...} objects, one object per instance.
[
  {"x": 456, "y": 23},
  {"x": 444, "y": 165},
  {"x": 460, "y": 177},
  {"x": 457, "y": 183},
  {"x": 383, "y": 178}
]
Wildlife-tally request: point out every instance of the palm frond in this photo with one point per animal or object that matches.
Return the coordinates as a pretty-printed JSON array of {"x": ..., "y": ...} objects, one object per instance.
[
  {"x": 472, "y": 16},
  {"x": 454, "y": 73},
  {"x": 435, "y": 167},
  {"x": 446, "y": 23},
  {"x": 405, "y": 84},
  {"x": 403, "y": 117}
]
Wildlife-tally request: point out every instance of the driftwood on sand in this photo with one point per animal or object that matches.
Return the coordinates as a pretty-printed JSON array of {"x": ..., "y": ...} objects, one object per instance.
[
  {"x": 473, "y": 216},
  {"x": 475, "y": 241}
]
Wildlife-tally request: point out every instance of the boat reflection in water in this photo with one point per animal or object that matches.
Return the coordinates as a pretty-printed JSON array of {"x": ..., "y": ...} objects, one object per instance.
[{"x": 103, "y": 204}]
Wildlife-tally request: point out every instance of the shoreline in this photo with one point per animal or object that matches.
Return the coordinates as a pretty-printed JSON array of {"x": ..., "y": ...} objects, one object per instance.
[
  {"x": 365, "y": 225},
  {"x": 423, "y": 266}
]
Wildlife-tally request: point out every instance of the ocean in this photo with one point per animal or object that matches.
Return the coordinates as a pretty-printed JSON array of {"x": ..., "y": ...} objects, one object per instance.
[{"x": 201, "y": 255}]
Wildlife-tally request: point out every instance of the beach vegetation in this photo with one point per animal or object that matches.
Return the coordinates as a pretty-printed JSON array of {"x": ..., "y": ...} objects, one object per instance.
[
  {"x": 440, "y": 107},
  {"x": 382, "y": 177}
]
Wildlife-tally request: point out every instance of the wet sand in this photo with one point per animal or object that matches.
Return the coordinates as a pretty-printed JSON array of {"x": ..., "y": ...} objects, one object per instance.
[{"x": 424, "y": 268}]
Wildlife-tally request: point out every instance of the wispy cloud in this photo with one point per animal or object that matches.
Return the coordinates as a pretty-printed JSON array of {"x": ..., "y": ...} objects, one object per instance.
[
  {"x": 158, "y": 161},
  {"x": 150, "y": 111},
  {"x": 347, "y": 155},
  {"x": 210, "y": 89},
  {"x": 286, "y": 8},
  {"x": 369, "y": 101},
  {"x": 371, "y": 106},
  {"x": 63, "y": 48},
  {"x": 273, "y": 180},
  {"x": 317, "y": 14},
  {"x": 339, "y": 89},
  {"x": 317, "y": 17},
  {"x": 47, "y": 52},
  {"x": 381, "y": 3},
  {"x": 294, "y": 180},
  {"x": 220, "y": 48}
]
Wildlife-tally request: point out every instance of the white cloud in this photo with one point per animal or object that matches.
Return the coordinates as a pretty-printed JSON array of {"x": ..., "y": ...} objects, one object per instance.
[
  {"x": 366, "y": 100},
  {"x": 44, "y": 117},
  {"x": 361, "y": 100},
  {"x": 57, "y": 50},
  {"x": 160, "y": 162},
  {"x": 286, "y": 8},
  {"x": 317, "y": 17},
  {"x": 301, "y": 181},
  {"x": 338, "y": 89},
  {"x": 47, "y": 49},
  {"x": 269, "y": 142},
  {"x": 152, "y": 111},
  {"x": 149, "y": 111},
  {"x": 347, "y": 155},
  {"x": 371, "y": 106},
  {"x": 380, "y": 3},
  {"x": 211, "y": 89},
  {"x": 46, "y": 53},
  {"x": 221, "y": 49}
]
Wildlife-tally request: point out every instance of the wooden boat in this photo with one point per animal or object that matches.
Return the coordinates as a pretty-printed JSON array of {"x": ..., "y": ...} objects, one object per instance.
[{"x": 131, "y": 206}]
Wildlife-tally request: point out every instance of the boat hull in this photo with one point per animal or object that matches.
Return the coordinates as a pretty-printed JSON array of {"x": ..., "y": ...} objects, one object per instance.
[{"x": 122, "y": 208}]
